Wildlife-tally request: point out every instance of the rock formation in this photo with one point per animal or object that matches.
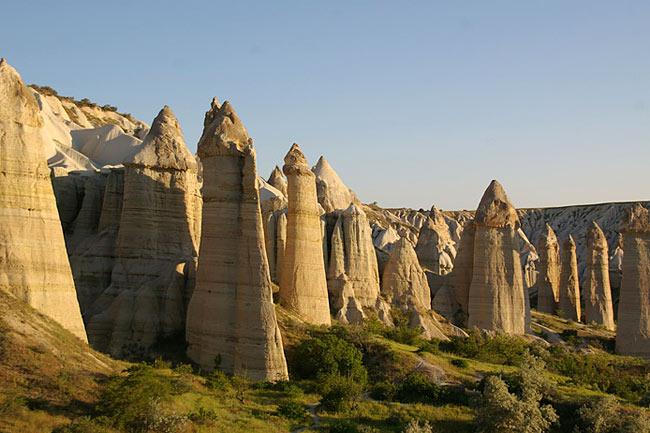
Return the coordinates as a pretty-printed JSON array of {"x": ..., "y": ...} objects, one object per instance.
[
  {"x": 569, "y": 287},
  {"x": 434, "y": 244},
  {"x": 496, "y": 295},
  {"x": 231, "y": 314},
  {"x": 277, "y": 180},
  {"x": 156, "y": 245},
  {"x": 303, "y": 284},
  {"x": 34, "y": 265},
  {"x": 633, "y": 329},
  {"x": 353, "y": 276},
  {"x": 461, "y": 276},
  {"x": 404, "y": 285},
  {"x": 598, "y": 294},
  {"x": 332, "y": 192},
  {"x": 549, "y": 272}
]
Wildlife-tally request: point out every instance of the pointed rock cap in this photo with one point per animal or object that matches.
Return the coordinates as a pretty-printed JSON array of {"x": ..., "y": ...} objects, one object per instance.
[
  {"x": 224, "y": 133},
  {"x": 569, "y": 243},
  {"x": 324, "y": 170},
  {"x": 436, "y": 216},
  {"x": 596, "y": 239},
  {"x": 295, "y": 163},
  {"x": 277, "y": 180},
  {"x": 636, "y": 219},
  {"x": 163, "y": 147},
  {"x": 17, "y": 101},
  {"x": 547, "y": 239},
  {"x": 495, "y": 209},
  {"x": 354, "y": 209}
]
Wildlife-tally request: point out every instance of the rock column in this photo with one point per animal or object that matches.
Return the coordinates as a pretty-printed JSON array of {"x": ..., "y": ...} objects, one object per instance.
[
  {"x": 569, "y": 302},
  {"x": 598, "y": 294},
  {"x": 549, "y": 272}
]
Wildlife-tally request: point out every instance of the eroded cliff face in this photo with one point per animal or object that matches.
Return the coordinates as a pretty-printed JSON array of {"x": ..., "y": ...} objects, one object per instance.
[
  {"x": 597, "y": 291},
  {"x": 231, "y": 314},
  {"x": 303, "y": 284},
  {"x": 633, "y": 328},
  {"x": 33, "y": 262},
  {"x": 156, "y": 243}
]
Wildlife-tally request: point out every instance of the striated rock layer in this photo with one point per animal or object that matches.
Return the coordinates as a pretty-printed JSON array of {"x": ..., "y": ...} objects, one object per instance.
[
  {"x": 549, "y": 272},
  {"x": 496, "y": 295},
  {"x": 231, "y": 315},
  {"x": 303, "y": 284},
  {"x": 277, "y": 181},
  {"x": 569, "y": 287},
  {"x": 155, "y": 248},
  {"x": 34, "y": 265},
  {"x": 633, "y": 328},
  {"x": 598, "y": 294}
]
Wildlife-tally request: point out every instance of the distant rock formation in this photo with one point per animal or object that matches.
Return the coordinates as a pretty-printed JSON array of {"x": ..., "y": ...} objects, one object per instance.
[
  {"x": 597, "y": 291},
  {"x": 332, "y": 192},
  {"x": 277, "y": 181},
  {"x": 496, "y": 295},
  {"x": 353, "y": 276},
  {"x": 231, "y": 314},
  {"x": 633, "y": 333},
  {"x": 303, "y": 284},
  {"x": 549, "y": 272},
  {"x": 34, "y": 265},
  {"x": 404, "y": 285},
  {"x": 155, "y": 248},
  {"x": 434, "y": 247},
  {"x": 569, "y": 287},
  {"x": 616, "y": 264}
]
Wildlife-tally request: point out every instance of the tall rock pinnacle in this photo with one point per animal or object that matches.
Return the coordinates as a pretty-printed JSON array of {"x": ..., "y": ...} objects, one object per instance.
[
  {"x": 277, "y": 180},
  {"x": 231, "y": 314},
  {"x": 569, "y": 287},
  {"x": 34, "y": 265},
  {"x": 549, "y": 272},
  {"x": 332, "y": 192},
  {"x": 598, "y": 293},
  {"x": 633, "y": 332},
  {"x": 496, "y": 295},
  {"x": 303, "y": 285}
]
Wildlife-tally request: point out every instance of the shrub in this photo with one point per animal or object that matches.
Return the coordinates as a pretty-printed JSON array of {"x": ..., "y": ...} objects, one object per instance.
[
  {"x": 460, "y": 363},
  {"x": 344, "y": 426},
  {"x": 418, "y": 388},
  {"x": 415, "y": 427},
  {"x": 159, "y": 420},
  {"x": 329, "y": 354},
  {"x": 600, "y": 416},
  {"x": 161, "y": 364},
  {"x": 82, "y": 425},
  {"x": 184, "y": 369},
  {"x": 340, "y": 393},
  {"x": 127, "y": 399},
  {"x": 292, "y": 409},
  {"x": 218, "y": 381},
  {"x": 500, "y": 348},
  {"x": 385, "y": 391},
  {"x": 203, "y": 416}
]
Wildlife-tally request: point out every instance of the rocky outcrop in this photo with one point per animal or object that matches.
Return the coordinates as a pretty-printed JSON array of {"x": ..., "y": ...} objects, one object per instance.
[
  {"x": 496, "y": 295},
  {"x": 569, "y": 287},
  {"x": 303, "y": 284},
  {"x": 277, "y": 181},
  {"x": 353, "y": 276},
  {"x": 548, "y": 279},
  {"x": 404, "y": 285},
  {"x": 434, "y": 247},
  {"x": 155, "y": 248},
  {"x": 633, "y": 329},
  {"x": 34, "y": 265},
  {"x": 231, "y": 314},
  {"x": 597, "y": 291},
  {"x": 332, "y": 192}
]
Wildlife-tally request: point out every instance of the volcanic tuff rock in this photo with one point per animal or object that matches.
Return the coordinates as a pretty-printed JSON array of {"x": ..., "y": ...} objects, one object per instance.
[
  {"x": 569, "y": 288},
  {"x": 33, "y": 262},
  {"x": 549, "y": 272},
  {"x": 231, "y": 313},
  {"x": 633, "y": 333},
  {"x": 303, "y": 285},
  {"x": 434, "y": 247},
  {"x": 496, "y": 295},
  {"x": 597, "y": 292},
  {"x": 156, "y": 245},
  {"x": 332, "y": 192},
  {"x": 404, "y": 285},
  {"x": 276, "y": 179},
  {"x": 353, "y": 264}
]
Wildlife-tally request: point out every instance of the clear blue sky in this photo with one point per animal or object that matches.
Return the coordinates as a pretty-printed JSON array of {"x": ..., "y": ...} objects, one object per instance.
[{"x": 413, "y": 103}]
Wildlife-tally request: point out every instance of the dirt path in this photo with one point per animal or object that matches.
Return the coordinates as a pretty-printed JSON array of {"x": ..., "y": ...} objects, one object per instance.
[{"x": 314, "y": 417}]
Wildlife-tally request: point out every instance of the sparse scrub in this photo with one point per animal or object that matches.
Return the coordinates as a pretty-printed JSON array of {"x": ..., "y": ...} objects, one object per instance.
[
  {"x": 499, "y": 348},
  {"x": 218, "y": 381},
  {"x": 293, "y": 410},
  {"x": 415, "y": 427}
]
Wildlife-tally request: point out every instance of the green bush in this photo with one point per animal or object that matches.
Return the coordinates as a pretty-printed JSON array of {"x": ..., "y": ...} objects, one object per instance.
[
  {"x": 460, "y": 363},
  {"x": 344, "y": 426},
  {"x": 606, "y": 416},
  {"x": 127, "y": 399},
  {"x": 500, "y": 348},
  {"x": 218, "y": 381},
  {"x": 340, "y": 393},
  {"x": 418, "y": 388},
  {"x": 293, "y": 410},
  {"x": 415, "y": 427},
  {"x": 203, "y": 416},
  {"x": 384, "y": 391}
]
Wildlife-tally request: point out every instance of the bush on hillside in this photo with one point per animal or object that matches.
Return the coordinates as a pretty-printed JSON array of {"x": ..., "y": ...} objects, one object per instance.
[
  {"x": 499, "y": 348},
  {"x": 340, "y": 393}
]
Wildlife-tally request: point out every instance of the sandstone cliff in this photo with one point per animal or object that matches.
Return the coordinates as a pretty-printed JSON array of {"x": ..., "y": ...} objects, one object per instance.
[
  {"x": 33, "y": 262},
  {"x": 231, "y": 314}
]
